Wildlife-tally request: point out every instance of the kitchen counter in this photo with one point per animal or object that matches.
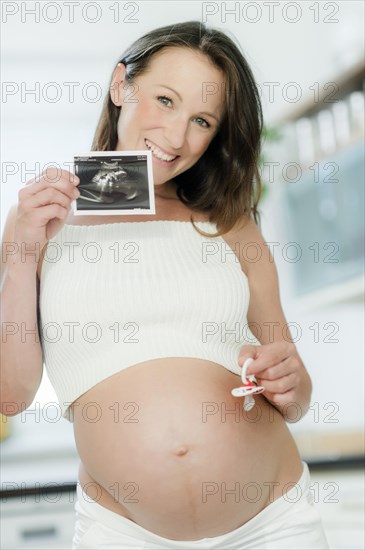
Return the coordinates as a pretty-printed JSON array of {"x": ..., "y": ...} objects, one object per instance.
[{"x": 38, "y": 452}]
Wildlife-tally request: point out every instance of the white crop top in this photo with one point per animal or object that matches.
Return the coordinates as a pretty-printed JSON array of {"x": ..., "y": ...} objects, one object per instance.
[{"x": 118, "y": 294}]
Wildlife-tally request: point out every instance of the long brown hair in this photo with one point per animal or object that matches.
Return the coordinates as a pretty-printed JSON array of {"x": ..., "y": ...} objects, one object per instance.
[{"x": 225, "y": 182}]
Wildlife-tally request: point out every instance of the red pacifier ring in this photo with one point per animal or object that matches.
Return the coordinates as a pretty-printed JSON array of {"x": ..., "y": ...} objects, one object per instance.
[
  {"x": 244, "y": 390},
  {"x": 248, "y": 387}
]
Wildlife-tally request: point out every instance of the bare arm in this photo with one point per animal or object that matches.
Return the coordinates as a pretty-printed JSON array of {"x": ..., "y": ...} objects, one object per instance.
[
  {"x": 21, "y": 354},
  {"x": 278, "y": 366},
  {"x": 40, "y": 214}
]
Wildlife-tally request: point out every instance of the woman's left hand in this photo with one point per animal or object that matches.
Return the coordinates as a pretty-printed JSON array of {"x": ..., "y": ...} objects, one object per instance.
[{"x": 278, "y": 368}]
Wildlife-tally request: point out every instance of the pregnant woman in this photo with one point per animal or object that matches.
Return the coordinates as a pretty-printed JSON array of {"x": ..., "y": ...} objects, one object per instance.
[{"x": 152, "y": 331}]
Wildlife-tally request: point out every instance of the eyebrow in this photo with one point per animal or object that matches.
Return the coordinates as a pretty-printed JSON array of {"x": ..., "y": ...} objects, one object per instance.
[{"x": 179, "y": 96}]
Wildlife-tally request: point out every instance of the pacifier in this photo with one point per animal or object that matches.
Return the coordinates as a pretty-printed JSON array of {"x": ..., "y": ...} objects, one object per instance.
[{"x": 248, "y": 388}]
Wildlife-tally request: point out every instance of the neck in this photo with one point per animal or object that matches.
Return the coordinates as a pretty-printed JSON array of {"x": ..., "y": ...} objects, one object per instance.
[{"x": 166, "y": 191}]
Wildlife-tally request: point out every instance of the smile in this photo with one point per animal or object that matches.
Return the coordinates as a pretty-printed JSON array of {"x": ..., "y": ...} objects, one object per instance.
[{"x": 158, "y": 153}]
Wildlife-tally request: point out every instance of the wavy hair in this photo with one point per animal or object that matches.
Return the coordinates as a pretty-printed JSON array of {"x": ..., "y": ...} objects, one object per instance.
[{"x": 225, "y": 182}]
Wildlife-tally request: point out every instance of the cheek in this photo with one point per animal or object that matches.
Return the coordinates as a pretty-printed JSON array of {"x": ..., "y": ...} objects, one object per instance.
[
  {"x": 200, "y": 145},
  {"x": 132, "y": 117},
  {"x": 147, "y": 113},
  {"x": 154, "y": 117}
]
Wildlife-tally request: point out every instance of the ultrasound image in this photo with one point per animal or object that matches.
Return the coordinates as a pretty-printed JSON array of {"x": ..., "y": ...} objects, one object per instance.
[{"x": 112, "y": 183}]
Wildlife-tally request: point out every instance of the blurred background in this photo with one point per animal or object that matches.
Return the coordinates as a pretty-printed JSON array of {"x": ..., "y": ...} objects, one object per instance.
[{"x": 308, "y": 60}]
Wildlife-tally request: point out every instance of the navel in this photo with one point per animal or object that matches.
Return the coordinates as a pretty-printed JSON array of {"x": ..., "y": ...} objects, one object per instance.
[{"x": 181, "y": 450}]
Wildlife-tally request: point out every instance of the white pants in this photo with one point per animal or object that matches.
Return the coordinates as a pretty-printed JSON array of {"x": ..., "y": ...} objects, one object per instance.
[{"x": 291, "y": 521}]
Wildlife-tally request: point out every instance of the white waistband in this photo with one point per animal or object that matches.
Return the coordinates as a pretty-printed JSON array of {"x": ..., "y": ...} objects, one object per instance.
[{"x": 296, "y": 496}]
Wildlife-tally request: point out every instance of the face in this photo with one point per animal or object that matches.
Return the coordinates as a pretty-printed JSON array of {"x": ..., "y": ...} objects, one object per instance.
[{"x": 173, "y": 108}]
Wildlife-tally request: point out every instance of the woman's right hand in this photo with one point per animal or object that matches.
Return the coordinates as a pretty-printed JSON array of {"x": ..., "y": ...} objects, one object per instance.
[{"x": 44, "y": 204}]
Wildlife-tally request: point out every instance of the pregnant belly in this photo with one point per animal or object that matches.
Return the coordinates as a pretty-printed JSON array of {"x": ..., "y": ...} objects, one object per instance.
[{"x": 165, "y": 444}]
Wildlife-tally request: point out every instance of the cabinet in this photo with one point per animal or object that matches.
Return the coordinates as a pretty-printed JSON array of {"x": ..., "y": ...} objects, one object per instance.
[
  {"x": 38, "y": 521},
  {"x": 321, "y": 156},
  {"x": 39, "y": 469}
]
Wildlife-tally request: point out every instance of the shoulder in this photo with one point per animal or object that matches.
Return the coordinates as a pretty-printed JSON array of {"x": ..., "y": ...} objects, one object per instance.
[
  {"x": 253, "y": 251},
  {"x": 258, "y": 264}
]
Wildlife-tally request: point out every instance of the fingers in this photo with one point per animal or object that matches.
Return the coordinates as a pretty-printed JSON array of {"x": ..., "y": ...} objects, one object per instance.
[
  {"x": 43, "y": 200},
  {"x": 280, "y": 385},
  {"x": 270, "y": 356},
  {"x": 245, "y": 353},
  {"x": 52, "y": 174},
  {"x": 50, "y": 195},
  {"x": 280, "y": 379},
  {"x": 278, "y": 371},
  {"x": 53, "y": 186},
  {"x": 53, "y": 177},
  {"x": 275, "y": 366},
  {"x": 46, "y": 213}
]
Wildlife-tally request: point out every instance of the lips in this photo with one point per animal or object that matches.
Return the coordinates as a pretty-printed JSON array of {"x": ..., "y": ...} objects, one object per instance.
[{"x": 160, "y": 153}]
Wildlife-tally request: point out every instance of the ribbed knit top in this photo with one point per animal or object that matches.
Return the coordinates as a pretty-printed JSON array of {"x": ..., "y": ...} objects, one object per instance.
[{"x": 118, "y": 294}]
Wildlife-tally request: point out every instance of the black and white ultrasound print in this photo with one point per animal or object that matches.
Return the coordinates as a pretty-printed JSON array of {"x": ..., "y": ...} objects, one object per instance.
[{"x": 114, "y": 183}]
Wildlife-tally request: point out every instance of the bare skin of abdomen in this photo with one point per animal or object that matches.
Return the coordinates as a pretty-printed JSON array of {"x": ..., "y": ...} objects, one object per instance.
[{"x": 168, "y": 447}]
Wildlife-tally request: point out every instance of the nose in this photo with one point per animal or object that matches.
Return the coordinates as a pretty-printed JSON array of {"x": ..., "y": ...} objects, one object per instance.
[{"x": 175, "y": 130}]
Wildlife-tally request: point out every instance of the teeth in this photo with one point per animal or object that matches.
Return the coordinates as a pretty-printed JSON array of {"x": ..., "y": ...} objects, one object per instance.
[{"x": 158, "y": 153}]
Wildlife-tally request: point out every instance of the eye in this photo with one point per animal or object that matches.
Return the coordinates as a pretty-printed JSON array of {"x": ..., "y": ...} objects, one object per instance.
[
  {"x": 164, "y": 97},
  {"x": 207, "y": 125}
]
